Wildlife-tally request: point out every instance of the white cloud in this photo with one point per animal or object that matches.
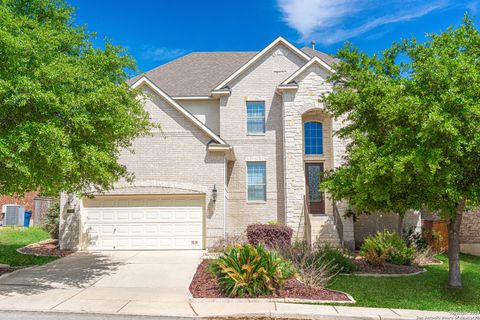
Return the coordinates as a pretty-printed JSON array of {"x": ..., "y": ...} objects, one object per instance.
[
  {"x": 332, "y": 21},
  {"x": 161, "y": 54}
]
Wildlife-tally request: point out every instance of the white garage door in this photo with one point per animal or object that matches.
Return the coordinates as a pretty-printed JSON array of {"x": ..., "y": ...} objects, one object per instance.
[{"x": 143, "y": 223}]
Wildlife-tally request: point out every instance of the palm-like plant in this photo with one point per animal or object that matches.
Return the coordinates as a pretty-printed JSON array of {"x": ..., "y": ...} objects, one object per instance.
[{"x": 251, "y": 270}]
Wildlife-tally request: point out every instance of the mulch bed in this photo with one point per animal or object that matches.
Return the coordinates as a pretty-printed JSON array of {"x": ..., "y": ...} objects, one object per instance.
[
  {"x": 363, "y": 267},
  {"x": 204, "y": 285},
  {"x": 45, "y": 248}
]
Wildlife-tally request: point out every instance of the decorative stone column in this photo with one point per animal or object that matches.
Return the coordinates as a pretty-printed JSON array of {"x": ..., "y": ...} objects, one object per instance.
[{"x": 294, "y": 175}]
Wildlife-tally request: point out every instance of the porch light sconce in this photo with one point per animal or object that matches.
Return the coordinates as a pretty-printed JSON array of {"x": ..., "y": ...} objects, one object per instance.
[{"x": 214, "y": 193}]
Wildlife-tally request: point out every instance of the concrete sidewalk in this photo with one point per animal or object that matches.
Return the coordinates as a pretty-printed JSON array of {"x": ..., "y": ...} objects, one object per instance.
[{"x": 195, "y": 310}]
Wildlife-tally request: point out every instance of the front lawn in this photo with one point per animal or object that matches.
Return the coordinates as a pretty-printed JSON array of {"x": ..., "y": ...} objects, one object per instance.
[
  {"x": 427, "y": 291},
  {"x": 12, "y": 238}
]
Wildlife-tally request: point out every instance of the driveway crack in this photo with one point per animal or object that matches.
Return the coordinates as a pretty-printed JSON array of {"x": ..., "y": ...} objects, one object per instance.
[
  {"x": 123, "y": 306},
  {"x": 191, "y": 307}
]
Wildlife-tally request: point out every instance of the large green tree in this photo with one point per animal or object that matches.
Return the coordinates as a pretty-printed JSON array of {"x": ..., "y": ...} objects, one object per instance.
[
  {"x": 65, "y": 108},
  {"x": 413, "y": 118}
]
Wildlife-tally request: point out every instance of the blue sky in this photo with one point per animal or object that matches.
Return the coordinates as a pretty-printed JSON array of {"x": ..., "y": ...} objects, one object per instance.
[{"x": 158, "y": 31}]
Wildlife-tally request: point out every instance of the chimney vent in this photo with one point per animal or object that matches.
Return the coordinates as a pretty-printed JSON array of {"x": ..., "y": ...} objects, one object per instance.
[{"x": 313, "y": 44}]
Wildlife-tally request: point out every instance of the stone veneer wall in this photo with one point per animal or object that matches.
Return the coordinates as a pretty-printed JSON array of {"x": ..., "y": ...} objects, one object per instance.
[{"x": 296, "y": 103}]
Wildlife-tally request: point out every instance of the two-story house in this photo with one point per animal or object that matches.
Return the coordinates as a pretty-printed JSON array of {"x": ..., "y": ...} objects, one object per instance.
[{"x": 244, "y": 139}]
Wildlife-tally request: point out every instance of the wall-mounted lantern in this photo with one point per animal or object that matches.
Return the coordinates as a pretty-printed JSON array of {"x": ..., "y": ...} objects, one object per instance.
[{"x": 214, "y": 193}]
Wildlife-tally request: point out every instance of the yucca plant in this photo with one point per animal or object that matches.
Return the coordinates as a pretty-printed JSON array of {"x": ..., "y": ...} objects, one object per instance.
[{"x": 251, "y": 270}]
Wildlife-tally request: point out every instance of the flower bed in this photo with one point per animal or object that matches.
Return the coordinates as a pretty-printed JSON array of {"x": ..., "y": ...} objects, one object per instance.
[
  {"x": 44, "y": 248},
  {"x": 363, "y": 267},
  {"x": 205, "y": 285}
]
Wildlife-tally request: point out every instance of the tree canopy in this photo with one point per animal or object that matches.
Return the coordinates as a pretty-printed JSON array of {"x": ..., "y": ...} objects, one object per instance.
[
  {"x": 65, "y": 107},
  {"x": 412, "y": 117}
]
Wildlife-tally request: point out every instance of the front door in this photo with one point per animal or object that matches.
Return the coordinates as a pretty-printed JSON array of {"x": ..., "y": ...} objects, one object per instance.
[{"x": 315, "y": 198}]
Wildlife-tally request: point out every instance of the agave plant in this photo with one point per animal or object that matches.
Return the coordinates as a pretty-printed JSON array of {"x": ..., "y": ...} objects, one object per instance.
[{"x": 251, "y": 270}]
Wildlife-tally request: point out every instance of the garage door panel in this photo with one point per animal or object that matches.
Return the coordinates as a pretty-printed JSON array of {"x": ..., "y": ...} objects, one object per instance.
[{"x": 158, "y": 224}]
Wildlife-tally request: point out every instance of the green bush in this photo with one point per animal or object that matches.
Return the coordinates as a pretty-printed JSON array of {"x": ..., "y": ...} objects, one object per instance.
[
  {"x": 337, "y": 257},
  {"x": 387, "y": 247},
  {"x": 251, "y": 270},
  {"x": 51, "y": 222}
]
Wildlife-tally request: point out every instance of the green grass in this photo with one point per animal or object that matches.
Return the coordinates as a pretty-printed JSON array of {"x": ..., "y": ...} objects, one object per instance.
[
  {"x": 427, "y": 291},
  {"x": 12, "y": 238}
]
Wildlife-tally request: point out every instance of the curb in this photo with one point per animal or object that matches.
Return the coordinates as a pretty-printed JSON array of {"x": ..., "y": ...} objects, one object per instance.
[
  {"x": 252, "y": 315},
  {"x": 283, "y": 300},
  {"x": 8, "y": 274}
]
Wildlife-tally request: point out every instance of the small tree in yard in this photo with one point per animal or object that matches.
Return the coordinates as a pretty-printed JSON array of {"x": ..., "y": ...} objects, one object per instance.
[
  {"x": 413, "y": 128},
  {"x": 65, "y": 108}
]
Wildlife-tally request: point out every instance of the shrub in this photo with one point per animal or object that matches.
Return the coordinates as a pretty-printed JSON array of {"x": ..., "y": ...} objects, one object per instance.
[
  {"x": 386, "y": 247},
  {"x": 251, "y": 270},
  {"x": 415, "y": 239},
  {"x": 315, "y": 270},
  {"x": 341, "y": 263},
  {"x": 272, "y": 236},
  {"x": 51, "y": 222}
]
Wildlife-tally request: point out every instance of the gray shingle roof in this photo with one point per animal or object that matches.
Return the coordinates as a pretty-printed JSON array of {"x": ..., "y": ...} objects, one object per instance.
[
  {"x": 328, "y": 59},
  {"x": 198, "y": 73}
]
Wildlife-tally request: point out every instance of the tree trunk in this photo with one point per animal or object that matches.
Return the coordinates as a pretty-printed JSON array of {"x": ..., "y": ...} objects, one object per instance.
[
  {"x": 401, "y": 216},
  {"x": 454, "y": 275}
]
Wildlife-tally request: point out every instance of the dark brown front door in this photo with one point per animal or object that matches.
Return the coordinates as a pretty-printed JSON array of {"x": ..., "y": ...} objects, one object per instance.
[{"x": 315, "y": 198}]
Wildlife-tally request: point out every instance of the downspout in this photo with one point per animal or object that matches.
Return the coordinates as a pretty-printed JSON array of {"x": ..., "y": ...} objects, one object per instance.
[
  {"x": 225, "y": 167},
  {"x": 284, "y": 164}
]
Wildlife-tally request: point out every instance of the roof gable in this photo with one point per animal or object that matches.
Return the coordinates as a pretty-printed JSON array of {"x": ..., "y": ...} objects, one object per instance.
[
  {"x": 279, "y": 40},
  {"x": 314, "y": 60},
  {"x": 145, "y": 81}
]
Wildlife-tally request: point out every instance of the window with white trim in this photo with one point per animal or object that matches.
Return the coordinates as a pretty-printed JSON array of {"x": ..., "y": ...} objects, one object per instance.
[
  {"x": 255, "y": 117},
  {"x": 256, "y": 181}
]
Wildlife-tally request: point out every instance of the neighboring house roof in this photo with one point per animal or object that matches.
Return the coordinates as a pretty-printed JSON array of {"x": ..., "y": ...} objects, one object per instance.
[
  {"x": 198, "y": 73},
  {"x": 143, "y": 80}
]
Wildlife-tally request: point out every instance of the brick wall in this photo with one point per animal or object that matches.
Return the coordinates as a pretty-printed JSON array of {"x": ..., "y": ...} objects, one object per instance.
[
  {"x": 26, "y": 200},
  {"x": 367, "y": 225},
  {"x": 174, "y": 157},
  {"x": 470, "y": 233},
  {"x": 470, "y": 229}
]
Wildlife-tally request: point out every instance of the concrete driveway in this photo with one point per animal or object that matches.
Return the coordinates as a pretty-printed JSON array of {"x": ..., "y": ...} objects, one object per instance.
[{"x": 125, "y": 282}]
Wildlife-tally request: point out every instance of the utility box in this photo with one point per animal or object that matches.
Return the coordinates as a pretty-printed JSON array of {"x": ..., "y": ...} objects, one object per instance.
[{"x": 13, "y": 215}]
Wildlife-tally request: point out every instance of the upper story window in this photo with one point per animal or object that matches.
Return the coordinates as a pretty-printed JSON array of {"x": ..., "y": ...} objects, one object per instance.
[
  {"x": 255, "y": 117},
  {"x": 256, "y": 181},
  {"x": 313, "y": 138}
]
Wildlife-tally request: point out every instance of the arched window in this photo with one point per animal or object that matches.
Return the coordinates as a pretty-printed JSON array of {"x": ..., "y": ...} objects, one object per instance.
[{"x": 313, "y": 137}]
